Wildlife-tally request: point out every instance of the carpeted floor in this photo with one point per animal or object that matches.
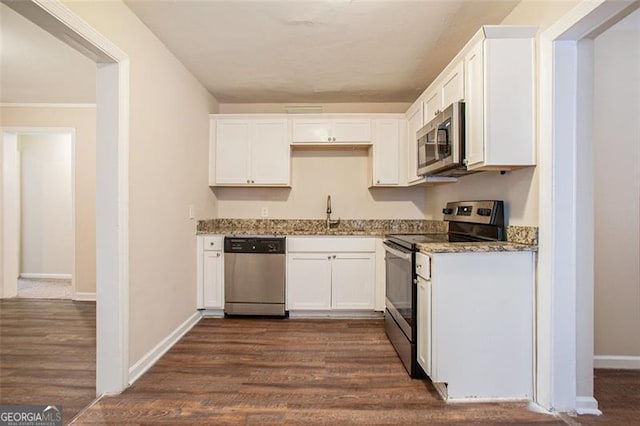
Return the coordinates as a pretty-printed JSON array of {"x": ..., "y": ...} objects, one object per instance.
[{"x": 44, "y": 289}]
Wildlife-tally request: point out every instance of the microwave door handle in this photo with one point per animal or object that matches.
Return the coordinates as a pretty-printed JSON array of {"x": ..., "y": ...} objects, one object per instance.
[
  {"x": 445, "y": 139},
  {"x": 396, "y": 252}
]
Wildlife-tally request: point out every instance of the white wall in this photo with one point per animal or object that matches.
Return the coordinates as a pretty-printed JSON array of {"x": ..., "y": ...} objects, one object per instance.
[
  {"x": 617, "y": 189},
  {"x": 46, "y": 214},
  {"x": 314, "y": 175},
  {"x": 519, "y": 189},
  {"x": 83, "y": 121},
  {"x": 168, "y": 172}
]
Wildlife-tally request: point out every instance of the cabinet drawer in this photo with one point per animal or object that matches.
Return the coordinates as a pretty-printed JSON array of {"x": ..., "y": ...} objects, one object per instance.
[
  {"x": 213, "y": 243},
  {"x": 423, "y": 266},
  {"x": 330, "y": 244}
]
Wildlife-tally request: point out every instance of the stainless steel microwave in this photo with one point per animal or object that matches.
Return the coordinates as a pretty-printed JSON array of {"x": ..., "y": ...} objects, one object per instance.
[{"x": 441, "y": 144}]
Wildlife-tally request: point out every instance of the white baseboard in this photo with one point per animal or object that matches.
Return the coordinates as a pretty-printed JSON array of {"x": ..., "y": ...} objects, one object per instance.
[
  {"x": 587, "y": 405},
  {"x": 151, "y": 357},
  {"x": 617, "y": 362},
  {"x": 337, "y": 314},
  {"x": 212, "y": 313},
  {"x": 84, "y": 297},
  {"x": 39, "y": 276}
]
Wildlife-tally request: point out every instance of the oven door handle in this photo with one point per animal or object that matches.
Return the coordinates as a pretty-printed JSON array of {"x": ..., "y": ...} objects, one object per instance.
[{"x": 396, "y": 252}]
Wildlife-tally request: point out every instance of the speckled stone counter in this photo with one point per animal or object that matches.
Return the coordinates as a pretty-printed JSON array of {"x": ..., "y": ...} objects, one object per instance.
[
  {"x": 370, "y": 227},
  {"x": 519, "y": 238},
  {"x": 485, "y": 247}
]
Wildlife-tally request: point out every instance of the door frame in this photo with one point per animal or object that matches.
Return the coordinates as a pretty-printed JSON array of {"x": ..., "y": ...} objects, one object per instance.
[
  {"x": 564, "y": 373},
  {"x": 9, "y": 289},
  {"x": 112, "y": 183}
]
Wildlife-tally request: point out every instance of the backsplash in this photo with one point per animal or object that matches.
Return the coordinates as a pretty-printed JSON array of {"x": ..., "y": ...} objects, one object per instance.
[
  {"x": 374, "y": 227},
  {"x": 523, "y": 235}
]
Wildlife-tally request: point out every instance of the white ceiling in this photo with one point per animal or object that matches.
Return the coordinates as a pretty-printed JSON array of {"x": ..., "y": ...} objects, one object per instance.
[
  {"x": 316, "y": 51},
  {"x": 266, "y": 50},
  {"x": 36, "y": 67}
]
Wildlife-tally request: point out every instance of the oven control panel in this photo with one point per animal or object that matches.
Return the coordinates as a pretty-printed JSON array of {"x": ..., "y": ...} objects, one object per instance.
[{"x": 481, "y": 211}]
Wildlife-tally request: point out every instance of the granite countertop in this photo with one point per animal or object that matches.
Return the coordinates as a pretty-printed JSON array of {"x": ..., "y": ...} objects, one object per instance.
[
  {"x": 346, "y": 227},
  {"x": 475, "y": 247},
  {"x": 519, "y": 238}
]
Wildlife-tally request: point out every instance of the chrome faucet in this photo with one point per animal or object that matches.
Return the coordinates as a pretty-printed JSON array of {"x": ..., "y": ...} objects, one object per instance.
[{"x": 330, "y": 223}]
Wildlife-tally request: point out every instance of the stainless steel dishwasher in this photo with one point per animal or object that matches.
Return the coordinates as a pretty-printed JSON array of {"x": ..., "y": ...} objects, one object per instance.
[{"x": 254, "y": 275}]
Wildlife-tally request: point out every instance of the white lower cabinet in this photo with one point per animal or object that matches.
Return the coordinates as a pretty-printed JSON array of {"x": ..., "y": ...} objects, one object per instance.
[
  {"x": 308, "y": 281},
  {"x": 424, "y": 324},
  {"x": 475, "y": 324},
  {"x": 335, "y": 277},
  {"x": 352, "y": 281},
  {"x": 210, "y": 273}
]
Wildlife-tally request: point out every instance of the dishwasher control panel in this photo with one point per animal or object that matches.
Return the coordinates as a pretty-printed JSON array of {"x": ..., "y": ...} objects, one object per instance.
[{"x": 274, "y": 245}]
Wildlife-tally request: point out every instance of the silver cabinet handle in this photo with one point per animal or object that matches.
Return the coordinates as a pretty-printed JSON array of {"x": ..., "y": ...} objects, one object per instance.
[
  {"x": 329, "y": 139},
  {"x": 217, "y": 254},
  {"x": 334, "y": 256},
  {"x": 328, "y": 257}
]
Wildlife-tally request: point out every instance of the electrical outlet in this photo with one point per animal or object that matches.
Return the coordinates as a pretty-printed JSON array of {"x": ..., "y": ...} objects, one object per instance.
[
  {"x": 191, "y": 212},
  {"x": 264, "y": 212}
]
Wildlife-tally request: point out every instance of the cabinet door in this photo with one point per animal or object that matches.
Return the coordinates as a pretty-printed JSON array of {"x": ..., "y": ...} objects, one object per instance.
[
  {"x": 270, "y": 152},
  {"x": 308, "y": 281},
  {"x": 352, "y": 281},
  {"x": 310, "y": 130},
  {"x": 432, "y": 105},
  {"x": 351, "y": 130},
  {"x": 453, "y": 86},
  {"x": 474, "y": 105},
  {"x": 232, "y": 152},
  {"x": 424, "y": 325},
  {"x": 414, "y": 123},
  {"x": 212, "y": 279},
  {"x": 386, "y": 150}
]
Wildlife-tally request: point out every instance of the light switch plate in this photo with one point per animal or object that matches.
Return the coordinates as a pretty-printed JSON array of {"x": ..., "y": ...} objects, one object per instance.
[{"x": 264, "y": 212}]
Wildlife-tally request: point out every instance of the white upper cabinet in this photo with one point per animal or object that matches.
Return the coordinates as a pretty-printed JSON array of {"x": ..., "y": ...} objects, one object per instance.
[
  {"x": 452, "y": 89},
  {"x": 499, "y": 96},
  {"x": 331, "y": 130},
  {"x": 388, "y": 148},
  {"x": 446, "y": 89},
  {"x": 414, "y": 123},
  {"x": 249, "y": 151}
]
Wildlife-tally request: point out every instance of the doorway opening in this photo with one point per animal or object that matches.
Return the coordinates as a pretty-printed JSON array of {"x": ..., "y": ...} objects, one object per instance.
[
  {"x": 112, "y": 233},
  {"x": 40, "y": 179},
  {"x": 565, "y": 335}
]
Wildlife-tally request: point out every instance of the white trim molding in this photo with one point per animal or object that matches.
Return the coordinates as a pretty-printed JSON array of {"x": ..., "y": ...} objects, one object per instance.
[
  {"x": 112, "y": 183},
  {"x": 44, "y": 276},
  {"x": 587, "y": 405},
  {"x": 564, "y": 371},
  {"x": 151, "y": 357},
  {"x": 617, "y": 361},
  {"x": 81, "y": 296}
]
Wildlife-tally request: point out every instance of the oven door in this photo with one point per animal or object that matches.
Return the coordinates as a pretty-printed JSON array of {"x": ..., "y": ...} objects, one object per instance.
[{"x": 399, "y": 286}]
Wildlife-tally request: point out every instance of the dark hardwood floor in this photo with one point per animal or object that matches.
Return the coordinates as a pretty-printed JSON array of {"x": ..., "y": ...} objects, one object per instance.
[
  {"x": 246, "y": 371},
  {"x": 618, "y": 395},
  {"x": 48, "y": 353}
]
